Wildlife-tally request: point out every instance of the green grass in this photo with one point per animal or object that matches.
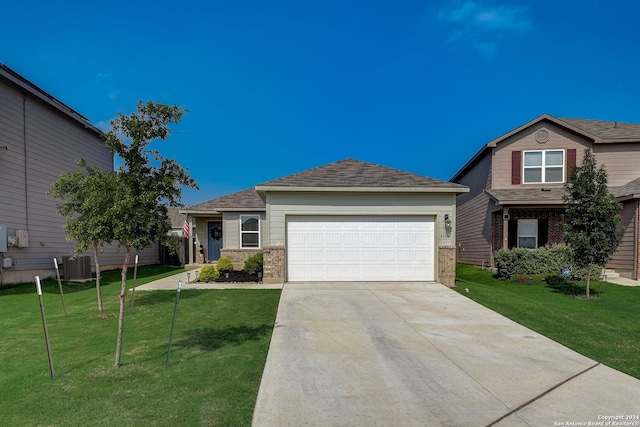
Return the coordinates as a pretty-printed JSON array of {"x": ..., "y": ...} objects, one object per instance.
[
  {"x": 219, "y": 350},
  {"x": 606, "y": 329}
]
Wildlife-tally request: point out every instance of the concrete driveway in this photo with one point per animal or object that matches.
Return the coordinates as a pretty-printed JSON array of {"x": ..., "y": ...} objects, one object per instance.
[{"x": 357, "y": 354}]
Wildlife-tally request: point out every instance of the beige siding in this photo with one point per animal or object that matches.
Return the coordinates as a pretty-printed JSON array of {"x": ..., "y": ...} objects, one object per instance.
[
  {"x": 559, "y": 138},
  {"x": 41, "y": 144},
  {"x": 279, "y": 205},
  {"x": 473, "y": 242},
  {"x": 621, "y": 161},
  {"x": 623, "y": 258}
]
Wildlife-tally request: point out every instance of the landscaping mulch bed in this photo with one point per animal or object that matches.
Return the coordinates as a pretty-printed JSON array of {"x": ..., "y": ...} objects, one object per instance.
[{"x": 238, "y": 276}]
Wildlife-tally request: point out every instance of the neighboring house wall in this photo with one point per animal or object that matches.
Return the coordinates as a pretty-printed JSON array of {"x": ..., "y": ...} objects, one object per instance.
[
  {"x": 474, "y": 216},
  {"x": 559, "y": 139},
  {"x": 621, "y": 161},
  {"x": 499, "y": 169},
  {"x": 42, "y": 142},
  {"x": 623, "y": 259}
]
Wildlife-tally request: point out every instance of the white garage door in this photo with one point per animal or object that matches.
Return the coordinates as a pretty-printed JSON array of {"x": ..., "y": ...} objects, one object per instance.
[{"x": 358, "y": 248}]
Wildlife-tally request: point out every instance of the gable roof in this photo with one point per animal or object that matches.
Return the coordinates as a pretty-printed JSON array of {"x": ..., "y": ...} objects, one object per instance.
[
  {"x": 607, "y": 131},
  {"x": 359, "y": 176},
  {"x": 598, "y": 131},
  {"x": 245, "y": 200}
]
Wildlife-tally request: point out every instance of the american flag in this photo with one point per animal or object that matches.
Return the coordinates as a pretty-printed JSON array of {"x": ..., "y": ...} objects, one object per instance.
[{"x": 186, "y": 228}]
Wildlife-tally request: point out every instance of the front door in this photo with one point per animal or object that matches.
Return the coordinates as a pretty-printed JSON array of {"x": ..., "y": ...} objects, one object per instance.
[{"x": 214, "y": 231}]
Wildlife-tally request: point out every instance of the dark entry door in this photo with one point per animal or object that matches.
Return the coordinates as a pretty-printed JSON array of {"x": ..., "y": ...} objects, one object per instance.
[{"x": 214, "y": 231}]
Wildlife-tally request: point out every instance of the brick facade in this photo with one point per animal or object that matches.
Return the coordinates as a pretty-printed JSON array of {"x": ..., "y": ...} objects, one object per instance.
[
  {"x": 238, "y": 256},
  {"x": 447, "y": 265},
  {"x": 554, "y": 217},
  {"x": 273, "y": 264}
]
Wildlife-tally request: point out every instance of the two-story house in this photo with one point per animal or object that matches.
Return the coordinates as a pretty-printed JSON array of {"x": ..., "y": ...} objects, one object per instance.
[
  {"x": 517, "y": 185},
  {"x": 41, "y": 137}
]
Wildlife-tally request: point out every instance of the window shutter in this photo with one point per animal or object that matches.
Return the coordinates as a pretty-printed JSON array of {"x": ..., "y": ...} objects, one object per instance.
[
  {"x": 516, "y": 166},
  {"x": 512, "y": 239},
  {"x": 543, "y": 232},
  {"x": 571, "y": 161}
]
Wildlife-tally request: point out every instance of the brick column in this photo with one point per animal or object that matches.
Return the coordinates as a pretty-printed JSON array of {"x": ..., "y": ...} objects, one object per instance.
[
  {"x": 273, "y": 257},
  {"x": 447, "y": 266}
]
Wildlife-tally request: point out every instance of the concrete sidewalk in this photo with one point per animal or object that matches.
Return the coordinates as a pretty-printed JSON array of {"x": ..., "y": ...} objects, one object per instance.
[
  {"x": 357, "y": 354},
  {"x": 188, "y": 282}
]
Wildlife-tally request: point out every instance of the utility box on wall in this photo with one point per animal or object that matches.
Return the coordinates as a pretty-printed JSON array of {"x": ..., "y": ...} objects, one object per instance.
[
  {"x": 22, "y": 238},
  {"x": 3, "y": 238}
]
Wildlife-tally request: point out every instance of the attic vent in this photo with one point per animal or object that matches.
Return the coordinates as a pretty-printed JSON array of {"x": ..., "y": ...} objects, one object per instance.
[{"x": 542, "y": 136}]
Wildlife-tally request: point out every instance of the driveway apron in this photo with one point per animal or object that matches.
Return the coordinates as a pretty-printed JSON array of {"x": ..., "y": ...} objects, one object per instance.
[{"x": 420, "y": 354}]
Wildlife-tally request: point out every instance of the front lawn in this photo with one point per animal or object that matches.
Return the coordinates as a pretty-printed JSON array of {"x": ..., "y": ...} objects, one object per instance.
[
  {"x": 219, "y": 350},
  {"x": 605, "y": 329}
]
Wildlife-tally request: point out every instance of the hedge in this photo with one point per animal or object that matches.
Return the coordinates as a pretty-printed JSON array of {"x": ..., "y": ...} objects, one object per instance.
[{"x": 544, "y": 260}]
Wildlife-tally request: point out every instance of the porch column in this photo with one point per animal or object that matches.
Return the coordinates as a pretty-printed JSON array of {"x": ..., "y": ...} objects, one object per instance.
[{"x": 505, "y": 228}]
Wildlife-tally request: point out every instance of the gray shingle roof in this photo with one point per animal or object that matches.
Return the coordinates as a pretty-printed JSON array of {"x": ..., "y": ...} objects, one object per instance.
[
  {"x": 629, "y": 189},
  {"x": 606, "y": 130},
  {"x": 355, "y": 173},
  {"x": 246, "y": 199},
  {"x": 175, "y": 217},
  {"x": 550, "y": 195}
]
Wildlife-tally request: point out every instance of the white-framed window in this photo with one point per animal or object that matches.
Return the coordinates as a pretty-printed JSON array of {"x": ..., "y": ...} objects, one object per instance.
[
  {"x": 528, "y": 233},
  {"x": 250, "y": 231},
  {"x": 543, "y": 166}
]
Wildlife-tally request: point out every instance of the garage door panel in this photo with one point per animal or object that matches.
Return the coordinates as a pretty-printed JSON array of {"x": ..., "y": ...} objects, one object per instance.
[{"x": 326, "y": 248}]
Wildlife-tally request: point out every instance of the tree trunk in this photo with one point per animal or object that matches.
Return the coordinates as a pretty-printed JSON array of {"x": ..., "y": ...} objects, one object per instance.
[
  {"x": 98, "y": 278},
  {"x": 589, "y": 281},
  {"x": 123, "y": 297}
]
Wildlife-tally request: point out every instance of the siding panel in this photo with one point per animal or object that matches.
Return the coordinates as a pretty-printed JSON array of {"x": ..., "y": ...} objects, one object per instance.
[
  {"x": 473, "y": 240},
  {"x": 52, "y": 144}
]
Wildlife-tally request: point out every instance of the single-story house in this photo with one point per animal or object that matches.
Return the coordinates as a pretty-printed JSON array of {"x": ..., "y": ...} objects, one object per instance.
[
  {"x": 517, "y": 185},
  {"x": 344, "y": 221}
]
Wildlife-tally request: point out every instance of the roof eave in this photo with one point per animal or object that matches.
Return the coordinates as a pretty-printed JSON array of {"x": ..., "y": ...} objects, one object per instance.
[
  {"x": 266, "y": 188},
  {"x": 198, "y": 211},
  {"x": 26, "y": 86},
  {"x": 528, "y": 202},
  {"x": 617, "y": 140}
]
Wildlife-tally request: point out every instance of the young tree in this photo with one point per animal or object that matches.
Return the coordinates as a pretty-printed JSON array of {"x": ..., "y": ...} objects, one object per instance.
[
  {"x": 87, "y": 197},
  {"x": 591, "y": 216},
  {"x": 149, "y": 183}
]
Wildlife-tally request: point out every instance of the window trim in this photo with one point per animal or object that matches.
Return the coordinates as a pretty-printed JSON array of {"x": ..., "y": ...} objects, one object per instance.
[
  {"x": 243, "y": 218},
  {"x": 543, "y": 167}
]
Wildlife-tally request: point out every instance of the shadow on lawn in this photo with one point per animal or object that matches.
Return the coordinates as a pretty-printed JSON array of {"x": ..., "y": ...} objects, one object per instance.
[
  {"x": 49, "y": 286},
  {"x": 567, "y": 287},
  {"x": 210, "y": 339},
  {"x": 160, "y": 297},
  {"x": 109, "y": 278}
]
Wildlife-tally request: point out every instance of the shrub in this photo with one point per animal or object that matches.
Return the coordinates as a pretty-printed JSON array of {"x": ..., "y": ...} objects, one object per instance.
[
  {"x": 224, "y": 265},
  {"x": 546, "y": 260},
  {"x": 208, "y": 274},
  {"x": 253, "y": 265}
]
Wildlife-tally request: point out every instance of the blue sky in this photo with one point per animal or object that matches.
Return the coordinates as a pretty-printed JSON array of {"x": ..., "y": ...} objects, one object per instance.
[{"x": 277, "y": 87}]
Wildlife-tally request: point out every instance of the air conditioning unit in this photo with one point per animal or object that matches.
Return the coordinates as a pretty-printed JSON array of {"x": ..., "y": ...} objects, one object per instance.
[{"x": 76, "y": 269}]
